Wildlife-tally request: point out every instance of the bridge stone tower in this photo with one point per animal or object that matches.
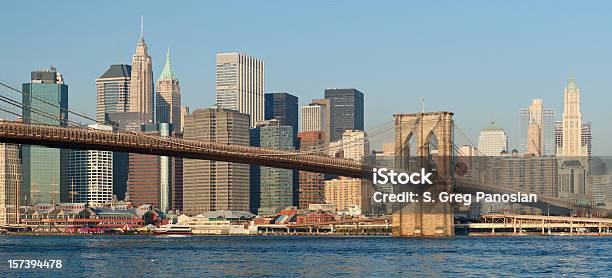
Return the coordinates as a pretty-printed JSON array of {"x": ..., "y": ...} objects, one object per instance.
[{"x": 425, "y": 140}]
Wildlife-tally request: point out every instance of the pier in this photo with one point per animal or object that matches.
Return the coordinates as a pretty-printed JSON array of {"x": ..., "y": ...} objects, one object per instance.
[{"x": 515, "y": 225}]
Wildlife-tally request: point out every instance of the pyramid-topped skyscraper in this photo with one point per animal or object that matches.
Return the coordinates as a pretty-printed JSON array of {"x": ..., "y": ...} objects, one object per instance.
[
  {"x": 141, "y": 85},
  {"x": 168, "y": 96}
]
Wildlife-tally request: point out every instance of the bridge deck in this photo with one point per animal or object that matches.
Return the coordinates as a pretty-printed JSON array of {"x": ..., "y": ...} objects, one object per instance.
[{"x": 83, "y": 138}]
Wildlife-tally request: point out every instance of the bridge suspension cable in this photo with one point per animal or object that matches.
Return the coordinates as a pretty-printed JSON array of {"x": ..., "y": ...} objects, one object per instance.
[
  {"x": 457, "y": 128},
  {"x": 68, "y": 110}
]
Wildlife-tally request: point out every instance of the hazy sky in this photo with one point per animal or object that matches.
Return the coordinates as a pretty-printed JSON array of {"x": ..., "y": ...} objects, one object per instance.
[{"x": 483, "y": 60}]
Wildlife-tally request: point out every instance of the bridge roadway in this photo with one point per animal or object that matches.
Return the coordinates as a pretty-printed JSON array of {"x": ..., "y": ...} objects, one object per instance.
[{"x": 85, "y": 138}]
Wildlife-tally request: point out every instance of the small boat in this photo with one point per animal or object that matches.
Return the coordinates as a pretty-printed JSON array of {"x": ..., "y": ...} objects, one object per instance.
[{"x": 173, "y": 229}]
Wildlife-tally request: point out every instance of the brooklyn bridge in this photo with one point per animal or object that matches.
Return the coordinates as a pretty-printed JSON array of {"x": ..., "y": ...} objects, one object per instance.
[{"x": 417, "y": 136}]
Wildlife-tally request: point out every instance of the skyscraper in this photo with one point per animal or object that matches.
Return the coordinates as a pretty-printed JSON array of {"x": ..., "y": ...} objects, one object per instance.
[
  {"x": 91, "y": 174},
  {"x": 534, "y": 138},
  {"x": 572, "y": 179},
  {"x": 45, "y": 170},
  {"x": 168, "y": 96},
  {"x": 326, "y": 103},
  {"x": 176, "y": 191},
  {"x": 311, "y": 184},
  {"x": 586, "y": 136},
  {"x": 255, "y": 171},
  {"x": 128, "y": 121},
  {"x": 313, "y": 118},
  {"x": 216, "y": 185},
  {"x": 166, "y": 172},
  {"x": 558, "y": 134},
  {"x": 276, "y": 185},
  {"x": 346, "y": 111},
  {"x": 113, "y": 91},
  {"x": 184, "y": 113},
  {"x": 10, "y": 183},
  {"x": 141, "y": 83},
  {"x": 284, "y": 108},
  {"x": 240, "y": 85},
  {"x": 355, "y": 145},
  {"x": 492, "y": 140},
  {"x": 151, "y": 178},
  {"x": 143, "y": 185},
  {"x": 544, "y": 119},
  {"x": 572, "y": 122}
]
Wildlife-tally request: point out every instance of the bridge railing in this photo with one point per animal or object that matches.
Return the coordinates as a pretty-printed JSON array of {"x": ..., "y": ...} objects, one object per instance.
[{"x": 87, "y": 136}]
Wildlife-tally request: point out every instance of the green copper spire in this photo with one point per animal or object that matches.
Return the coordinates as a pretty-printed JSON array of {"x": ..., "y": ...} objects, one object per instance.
[{"x": 167, "y": 72}]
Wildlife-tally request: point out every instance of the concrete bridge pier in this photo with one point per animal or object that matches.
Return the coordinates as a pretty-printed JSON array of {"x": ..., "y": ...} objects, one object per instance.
[
  {"x": 412, "y": 221},
  {"x": 425, "y": 140}
]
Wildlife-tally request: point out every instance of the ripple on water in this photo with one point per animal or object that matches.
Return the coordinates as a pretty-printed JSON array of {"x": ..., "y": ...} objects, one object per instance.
[{"x": 314, "y": 256}]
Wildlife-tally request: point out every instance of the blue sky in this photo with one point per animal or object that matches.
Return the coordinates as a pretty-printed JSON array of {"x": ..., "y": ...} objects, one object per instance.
[{"x": 483, "y": 60}]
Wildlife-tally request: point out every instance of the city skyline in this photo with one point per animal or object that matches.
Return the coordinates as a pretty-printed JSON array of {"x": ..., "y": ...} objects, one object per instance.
[
  {"x": 490, "y": 72},
  {"x": 226, "y": 138}
]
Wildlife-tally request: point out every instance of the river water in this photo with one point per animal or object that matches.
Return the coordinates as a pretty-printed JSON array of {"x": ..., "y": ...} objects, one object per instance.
[{"x": 281, "y": 256}]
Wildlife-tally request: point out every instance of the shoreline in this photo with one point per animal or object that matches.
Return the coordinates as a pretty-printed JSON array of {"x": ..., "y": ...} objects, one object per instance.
[{"x": 473, "y": 234}]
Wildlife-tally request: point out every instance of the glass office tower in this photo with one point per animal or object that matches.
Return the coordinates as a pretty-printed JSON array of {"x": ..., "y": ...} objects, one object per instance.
[{"x": 45, "y": 170}]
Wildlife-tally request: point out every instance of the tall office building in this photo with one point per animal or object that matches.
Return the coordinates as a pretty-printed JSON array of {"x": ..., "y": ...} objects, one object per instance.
[
  {"x": 45, "y": 170},
  {"x": 184, "y": 113},
  {"x": 542, "y": 119},
  {"x": 144, "y": 175},
  {"x": 216, "y": 185},
  {"x": 572, "y": 123},
  {"x": 534, "y": 174},
  {"x": 385, "y": 158},
  {"x": 240, "y": 85},
  {"x": 311, "y": 190},
  {"x": 558, "y": 134},
  {"x": 166, "y": 172},
  {"x": 326, "y": 103},
  {"x": 176, "y": 191},
  {"x": 346, "y": 111},
  {"x": 128, "y": 121},
  {"x": 284, "y": 108},
  {"x": 168, "y": 96},
  {"x": 276, "y": 188},
  {"x": 155, "y": 179},
  {"x": 10, "y": 183},
  {"x": 255, "y": 171},
  {"x": 599, "y": 189},
  {"x": 585, "y": 138},
  {"x": 573, "y": 179},
  {"x": 113, "y": 91},
  {"x": 534, "y": 138},
  {"x": 141, "y": 84},
  {"x": 144, "y": 179},
  {"x": 151, "y": 178},
  {"x": 91, "y": 174},
  {"x": 355, "y": 145},
  {"x": 492, "y": 140},
  {"x": 313, "y": 118}
]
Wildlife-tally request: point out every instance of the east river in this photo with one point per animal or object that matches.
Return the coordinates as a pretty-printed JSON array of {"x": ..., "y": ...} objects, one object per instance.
[{"x": 282, "y": 256}]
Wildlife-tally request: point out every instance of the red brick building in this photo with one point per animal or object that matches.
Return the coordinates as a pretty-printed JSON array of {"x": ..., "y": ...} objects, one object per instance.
[
  {"x": 311, "y": 184},
  {"x": 313, "y": 218}
]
